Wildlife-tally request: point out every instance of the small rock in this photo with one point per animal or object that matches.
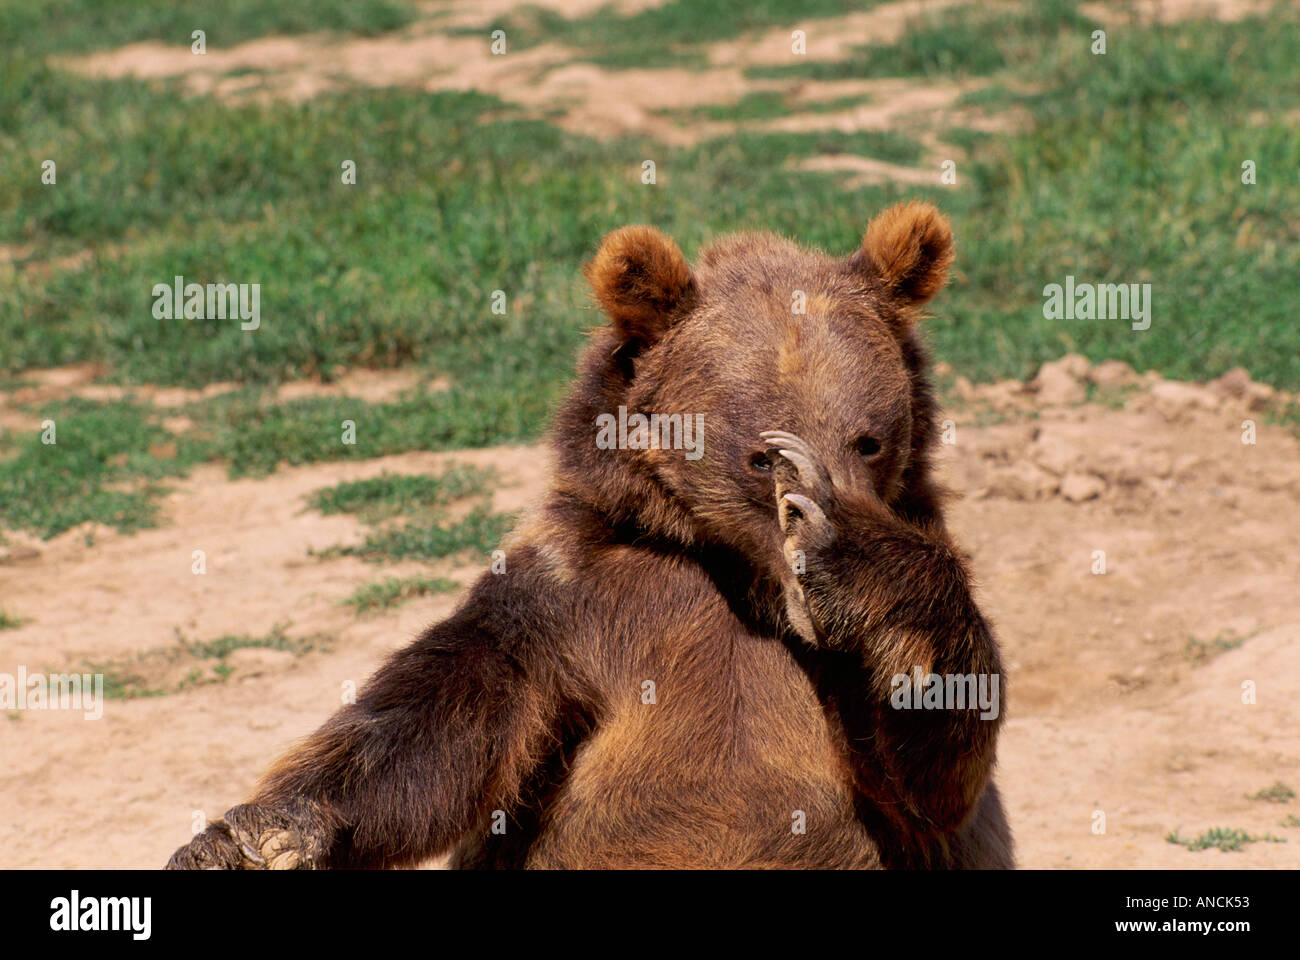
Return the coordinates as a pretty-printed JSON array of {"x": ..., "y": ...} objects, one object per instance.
[
  {"x": 1260, "y": 396},
  {"x": 1078, "y": 487},
  {"x": 1076, "y": 365},
  {"x": 1174, "y": 400},
  {"x": 1113, "y": 373},
  {"x": 1053, "y": 453},
  {"x": 1021, "y": 481},
  {"x": 1003, "y": 395},
  {"x": 1059, "y": 382},
  {"x": 1234, "y": 383}
]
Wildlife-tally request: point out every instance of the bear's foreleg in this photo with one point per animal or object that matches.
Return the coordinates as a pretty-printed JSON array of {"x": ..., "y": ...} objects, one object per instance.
[
  {"x": 441, "y": 736},
  {"x": 897, "y": 596}
]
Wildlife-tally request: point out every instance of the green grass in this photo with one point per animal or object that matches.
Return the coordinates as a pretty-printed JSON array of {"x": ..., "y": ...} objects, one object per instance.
[
  {"x": 954, "y": 42},
  {"x": 762, "y": 105},
  {"x": 1221, "y": 838},
  {"x": 1132, "y": 174},
  {"x": 107, "y": 464},
  {"x": 674, "y": 34},
  {"x": 410, "y": 516},
  {"x": 10, "y": 622},
  {"x": 392, "y": 494},
  {"x": 476, "y": 535},
  {"x": 1202, "y": 651},
  {"x": 74, "y": 26},
  {"x": 1278, "y": 793},
  {"x": 392, "y": 591},
  {"x": 185, "y": 665},
  {"x": 252, "y": 434}
]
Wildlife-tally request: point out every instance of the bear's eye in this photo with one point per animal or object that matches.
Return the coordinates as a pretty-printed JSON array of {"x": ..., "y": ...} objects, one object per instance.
[
  {"x": 867, "y": 446},
  {"x": 761, "y": 462}
]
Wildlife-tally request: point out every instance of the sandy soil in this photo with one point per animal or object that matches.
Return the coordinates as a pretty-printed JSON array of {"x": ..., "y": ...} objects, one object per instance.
[{"x": 1106, "y": 709}]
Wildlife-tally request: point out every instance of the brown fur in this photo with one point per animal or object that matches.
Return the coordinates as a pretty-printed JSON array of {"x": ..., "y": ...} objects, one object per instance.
[{"x": 771, "y": 687}]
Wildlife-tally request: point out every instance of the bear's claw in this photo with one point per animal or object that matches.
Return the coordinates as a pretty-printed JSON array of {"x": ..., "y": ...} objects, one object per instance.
[
  {"x": 802, "y": 486},
  {"x": 250, "y": 837}
]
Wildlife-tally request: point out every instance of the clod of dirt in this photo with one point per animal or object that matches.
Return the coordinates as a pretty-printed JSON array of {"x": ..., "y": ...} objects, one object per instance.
[{"x": 1061, "y": 382}]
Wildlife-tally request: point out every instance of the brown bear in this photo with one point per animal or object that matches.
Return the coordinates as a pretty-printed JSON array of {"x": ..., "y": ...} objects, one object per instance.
[{"x": 695, "y": 657}]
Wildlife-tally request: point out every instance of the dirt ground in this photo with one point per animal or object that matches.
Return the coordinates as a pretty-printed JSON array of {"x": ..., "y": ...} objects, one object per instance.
[{"x": 1117, "y": 700}]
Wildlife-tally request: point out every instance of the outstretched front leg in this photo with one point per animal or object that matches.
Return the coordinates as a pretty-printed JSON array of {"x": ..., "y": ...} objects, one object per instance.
[
  {"x": 896, "y": 598},
  {"x": 443, "y": 734}
]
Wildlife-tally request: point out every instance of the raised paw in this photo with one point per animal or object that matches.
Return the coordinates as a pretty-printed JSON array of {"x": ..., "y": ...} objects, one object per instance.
[
  {"x": 252, "y": 837},
  {"x": 802, "y": 486}
]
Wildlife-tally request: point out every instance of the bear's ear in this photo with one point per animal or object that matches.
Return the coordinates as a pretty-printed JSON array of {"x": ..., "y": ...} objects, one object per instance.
[
  {"x": 908, "y": 250},
  {"x": 642, "y": 282}
]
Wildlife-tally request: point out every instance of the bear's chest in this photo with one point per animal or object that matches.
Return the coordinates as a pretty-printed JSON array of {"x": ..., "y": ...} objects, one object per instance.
[{"x": 714, "y": 751}]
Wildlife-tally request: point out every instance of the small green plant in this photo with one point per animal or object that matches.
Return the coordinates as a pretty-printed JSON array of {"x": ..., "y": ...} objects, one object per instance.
[
  {"x": 430, "y": 535},
  {"x": 477, "y": 533},
  {"x": 392, "y": 591},
  {"x": 10, "y": 622},
  {"x": 180, "y": 667},
  {"x": 1221, "y": 838},
  {"x": 390, "y": 494},
  {"x": 1278, "y": 793},
  {"x": 1202, "y": 651}
]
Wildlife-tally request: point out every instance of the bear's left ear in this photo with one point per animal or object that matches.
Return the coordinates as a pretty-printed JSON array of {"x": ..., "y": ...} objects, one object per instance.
[
  {"x": 908, "y": 249},
  {"x": 642, "y": 281}
]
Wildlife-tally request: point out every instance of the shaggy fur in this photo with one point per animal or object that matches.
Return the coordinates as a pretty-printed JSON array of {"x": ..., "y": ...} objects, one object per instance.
[{"x": 685, "y": 660}]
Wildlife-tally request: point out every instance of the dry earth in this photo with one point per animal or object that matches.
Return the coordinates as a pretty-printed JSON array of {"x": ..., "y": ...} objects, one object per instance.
[{"x": 1118, "y": 699}]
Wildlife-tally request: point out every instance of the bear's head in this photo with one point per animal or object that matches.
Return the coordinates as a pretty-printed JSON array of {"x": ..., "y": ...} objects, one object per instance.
[{"x": 762, "y": 335}]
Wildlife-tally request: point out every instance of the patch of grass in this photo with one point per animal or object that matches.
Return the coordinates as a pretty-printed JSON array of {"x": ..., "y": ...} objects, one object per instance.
[
  {"x": 73, "y": 26},
  {"x": 954, "y": 42},
  {"x": 222, "y": 646},
  {"x": 393, "y": 494},
  {"x": 392, "y": 591},
  {"x": 664, "y": 34},
  {"x": 10, "y": 622},
  {"x": 1221, "y": 838},
  {"x": 1132, "y": 173},
  {"x": 431, "y": 535},
  {"x": 775, "y": 149},
  {"x": 762, "y": 105},
  {"x": 1291, "y": 821},
  {"x": 475, "y": 534},
  {"x": 175, "y": 669},
  {"x": 105, "y": 465},
  {"x": 1202, "y": 651},
  {"x": 1278, "y": 793}
]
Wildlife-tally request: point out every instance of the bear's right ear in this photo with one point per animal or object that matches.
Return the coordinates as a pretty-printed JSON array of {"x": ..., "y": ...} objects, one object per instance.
[{"x": 642, "y": 282}]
